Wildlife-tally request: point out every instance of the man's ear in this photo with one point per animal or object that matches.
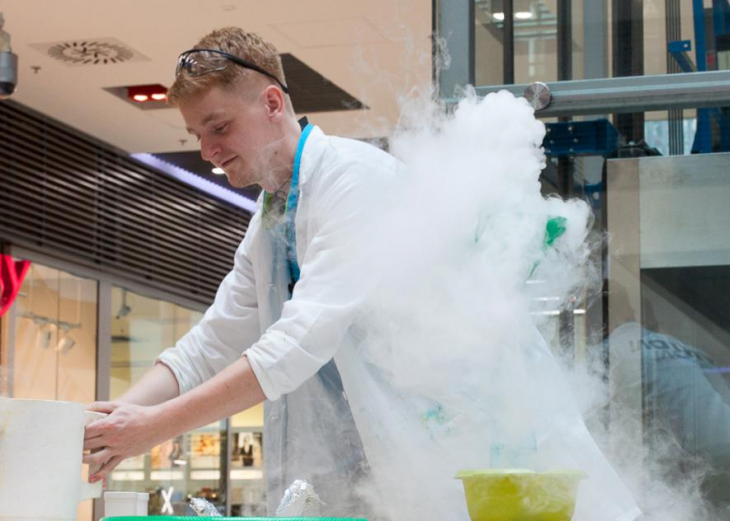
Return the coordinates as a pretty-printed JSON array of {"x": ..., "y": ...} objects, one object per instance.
[{"x": 275, "y": 102}]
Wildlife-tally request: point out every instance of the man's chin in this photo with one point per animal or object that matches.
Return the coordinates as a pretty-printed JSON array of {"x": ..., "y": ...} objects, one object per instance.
[{"x": 237, "y": 182}]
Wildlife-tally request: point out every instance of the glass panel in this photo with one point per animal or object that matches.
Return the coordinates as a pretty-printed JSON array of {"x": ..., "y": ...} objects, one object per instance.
[
  {"x": 195, "y": 464},
  {"x": 668, "y": 320},
  {"x": 51, "y": 352},
  {"x": 536, "y": 31},
  {"x": 642, "y": 38},
  {"x": 488, "y": 36},
  {"x": 535, "y": 41},
  {"x": 659, "y": 132},
  {"x": 190, "y": 465},
  {"x": 248, "y": 489},
  {"x": 142, "y": 328}
]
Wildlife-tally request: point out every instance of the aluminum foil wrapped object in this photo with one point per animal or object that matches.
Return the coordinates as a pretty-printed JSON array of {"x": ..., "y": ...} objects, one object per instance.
[
  {"x": 300, "y": 500},
  {"x": 204, "y": 508}
]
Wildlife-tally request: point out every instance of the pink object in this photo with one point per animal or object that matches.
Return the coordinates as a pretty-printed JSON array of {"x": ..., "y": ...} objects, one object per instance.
[{"x": 12, "y": 273}]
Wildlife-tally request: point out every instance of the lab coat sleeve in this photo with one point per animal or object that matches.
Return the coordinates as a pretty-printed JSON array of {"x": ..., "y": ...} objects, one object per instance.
[
  {"x": 332, "y": 285},
  {"x": 229, "y": 327}
]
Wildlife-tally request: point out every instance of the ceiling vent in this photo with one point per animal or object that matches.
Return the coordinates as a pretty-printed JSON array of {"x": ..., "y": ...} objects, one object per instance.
[{"x": 96, "y": 51}]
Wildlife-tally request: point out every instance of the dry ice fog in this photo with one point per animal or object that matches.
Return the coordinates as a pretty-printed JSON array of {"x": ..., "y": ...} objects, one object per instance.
[{"x": 459, "y": 261}]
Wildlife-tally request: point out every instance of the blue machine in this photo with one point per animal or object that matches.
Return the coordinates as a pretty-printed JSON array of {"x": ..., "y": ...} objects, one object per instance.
[
  {"x": 597, "y": 137},
  {"x": 680, "y": 51}
]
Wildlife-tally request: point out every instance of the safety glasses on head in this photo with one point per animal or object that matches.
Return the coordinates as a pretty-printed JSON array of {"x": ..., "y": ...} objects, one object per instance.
[{"x": 197, "y": 62}]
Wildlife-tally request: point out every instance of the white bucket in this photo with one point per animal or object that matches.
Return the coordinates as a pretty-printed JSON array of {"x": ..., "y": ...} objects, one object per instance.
[{"x": 41, "y": 445}]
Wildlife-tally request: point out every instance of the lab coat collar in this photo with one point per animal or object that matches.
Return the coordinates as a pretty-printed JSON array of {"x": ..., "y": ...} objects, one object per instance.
[
  {"x": 311, "y": 158},
  {"x": 312, "y": 154}
]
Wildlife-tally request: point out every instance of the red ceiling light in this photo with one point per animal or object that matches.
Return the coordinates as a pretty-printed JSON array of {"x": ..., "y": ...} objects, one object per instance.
[{"x": 147, "y": 93}]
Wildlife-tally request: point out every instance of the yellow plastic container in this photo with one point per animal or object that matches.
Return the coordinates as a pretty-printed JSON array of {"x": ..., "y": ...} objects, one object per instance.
[{"x": 520, "y": 495}]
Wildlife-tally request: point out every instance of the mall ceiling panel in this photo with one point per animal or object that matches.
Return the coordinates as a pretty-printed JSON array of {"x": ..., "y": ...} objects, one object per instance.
[
  {"x": 192, "y": 162},
  {"x": 311, "y": 92},
  {"x": 326, "y": 33},
  {"x": 369, "y": 53}
]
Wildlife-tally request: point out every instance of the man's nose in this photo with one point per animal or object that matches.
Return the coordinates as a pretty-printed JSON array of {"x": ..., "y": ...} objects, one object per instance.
[{"x": 208, "y": 149}]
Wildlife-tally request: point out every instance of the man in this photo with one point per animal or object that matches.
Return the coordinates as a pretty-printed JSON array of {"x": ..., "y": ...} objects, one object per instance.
[
  {"x": 259, "y": 340},
  {"x": 685, "y": 398},
  {"x": 265, "y": 338}
]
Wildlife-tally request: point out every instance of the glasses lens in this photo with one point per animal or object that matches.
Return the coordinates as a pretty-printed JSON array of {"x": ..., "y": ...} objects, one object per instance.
[{"x": 197, "y": 63}]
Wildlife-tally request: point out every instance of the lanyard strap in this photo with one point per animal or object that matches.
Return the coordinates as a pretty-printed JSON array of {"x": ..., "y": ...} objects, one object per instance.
[{"x": 292, "y": 202}]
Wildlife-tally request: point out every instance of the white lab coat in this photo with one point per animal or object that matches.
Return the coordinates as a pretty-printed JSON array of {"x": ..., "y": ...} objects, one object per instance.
[
  {"x": 288, "y": 342},
  {"x": 321, "y": 427}
]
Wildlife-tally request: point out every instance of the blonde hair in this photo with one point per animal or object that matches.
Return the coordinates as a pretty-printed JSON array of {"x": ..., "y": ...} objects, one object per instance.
[{"x": 233, "y": 40}]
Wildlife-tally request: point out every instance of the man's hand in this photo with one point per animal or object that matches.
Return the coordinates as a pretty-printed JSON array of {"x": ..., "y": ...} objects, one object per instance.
[{"x": 128, "y": 431}]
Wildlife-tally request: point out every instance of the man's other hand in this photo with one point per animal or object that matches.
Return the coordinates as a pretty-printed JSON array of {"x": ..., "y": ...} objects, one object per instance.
[{"x": 128, "y": 430}]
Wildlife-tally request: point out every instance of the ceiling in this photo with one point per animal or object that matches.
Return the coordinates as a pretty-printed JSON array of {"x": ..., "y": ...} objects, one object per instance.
[{"x": 375, "y": 51}]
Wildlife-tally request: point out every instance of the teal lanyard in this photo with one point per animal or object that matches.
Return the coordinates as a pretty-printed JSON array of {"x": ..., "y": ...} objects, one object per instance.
[
  {"x": 291, "y": 208},
  {"x": 290, "y": 211}
]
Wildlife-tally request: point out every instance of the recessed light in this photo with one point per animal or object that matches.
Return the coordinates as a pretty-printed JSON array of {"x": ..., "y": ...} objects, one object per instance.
[
  {"x": 147, "y": 93},
  {"x": 498, "y": 16},
  {"x": 142, "y": 97},
  {"x": 218, "y": 171}
]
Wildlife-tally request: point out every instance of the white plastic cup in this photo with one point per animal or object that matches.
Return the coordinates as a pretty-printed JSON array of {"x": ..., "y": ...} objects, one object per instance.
[
  {"x": 143, "y": 499},
  {"x": 125, "y": 504}
]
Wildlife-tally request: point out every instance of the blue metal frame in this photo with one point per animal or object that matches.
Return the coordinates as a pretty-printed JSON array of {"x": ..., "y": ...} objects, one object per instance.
[
  {"x": 721, "y": 24},
  {"x": 703, "y": 137},
  {"x": 680, "y": 51},
  {"x": 597, "y": 137},
  {"x": 721, "y": 17},
  {"x": 454, "y": 22},
  {"x": 698, "y": 14}
]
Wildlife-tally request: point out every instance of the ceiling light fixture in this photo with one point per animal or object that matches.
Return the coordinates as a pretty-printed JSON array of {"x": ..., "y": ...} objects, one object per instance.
[
  {"x": 498, "y": 16},
  {"x": 65, "y": 345},
  {"x": 125, "y": 309},
  {"x": 147, "y": 93},
  {"x": 218, "y": 171}
]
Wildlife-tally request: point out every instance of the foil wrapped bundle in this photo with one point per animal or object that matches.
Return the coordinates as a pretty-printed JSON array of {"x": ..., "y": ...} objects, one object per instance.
[
  {"x": 204, "y": 508},
  {"x": 300, "y": 500}
]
